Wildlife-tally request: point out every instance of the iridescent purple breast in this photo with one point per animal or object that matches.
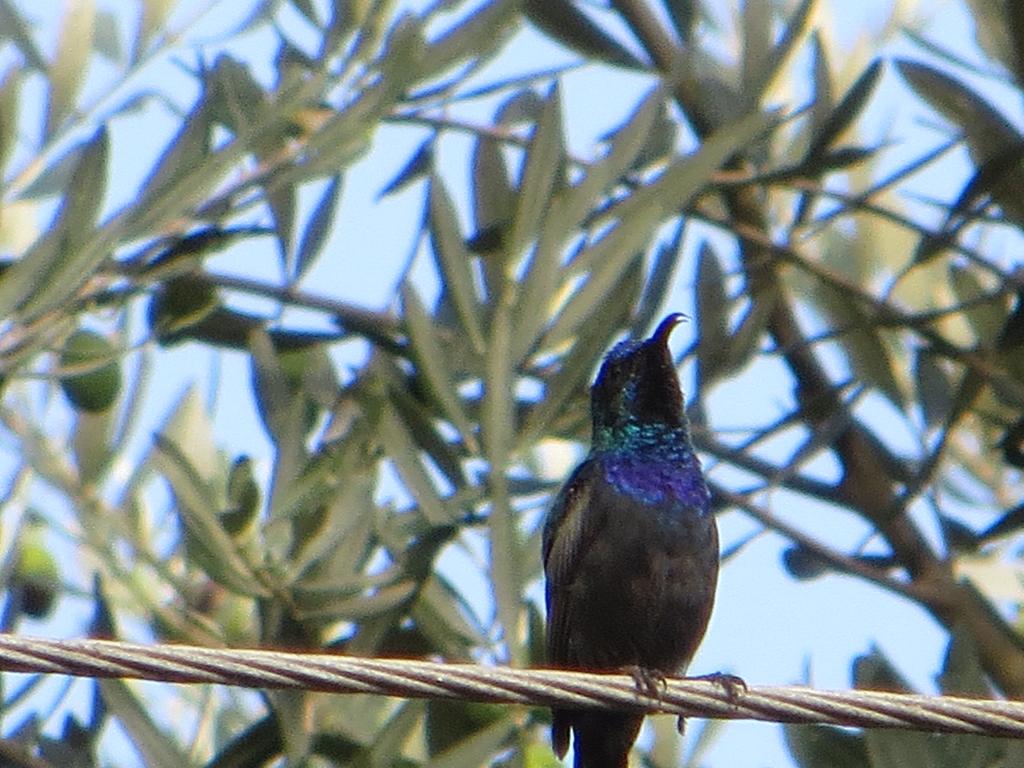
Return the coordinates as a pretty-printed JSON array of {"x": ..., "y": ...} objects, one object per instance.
[{"x": 657, "y": 481}]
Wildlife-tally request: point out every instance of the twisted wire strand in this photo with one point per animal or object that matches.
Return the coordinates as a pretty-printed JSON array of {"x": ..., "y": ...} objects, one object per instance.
[{"x": 504, "y": 685}]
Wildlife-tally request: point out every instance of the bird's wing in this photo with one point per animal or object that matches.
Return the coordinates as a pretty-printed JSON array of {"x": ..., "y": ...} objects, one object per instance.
[{"x": 570, "y": 526}]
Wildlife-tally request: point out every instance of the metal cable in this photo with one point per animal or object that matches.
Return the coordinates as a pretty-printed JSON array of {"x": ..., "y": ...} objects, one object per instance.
[{"x": 541, "y": 687}]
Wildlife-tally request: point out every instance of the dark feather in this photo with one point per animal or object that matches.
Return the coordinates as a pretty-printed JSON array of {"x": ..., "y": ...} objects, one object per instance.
[{"x": 630, "y": 547}]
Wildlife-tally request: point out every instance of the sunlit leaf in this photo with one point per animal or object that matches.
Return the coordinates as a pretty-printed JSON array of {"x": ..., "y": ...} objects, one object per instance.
[
  {"x": 540, "y": 174},
  {"x": 566, "y": 212},
  {"x": 986, "y": 318},
  {"x": 454, "y": 262},
  {"x": 213, "y": 546},
  {"x": 67, "y": 72},
  {"x": 151, "y": 23},
  {"x": 10, "y": 91},
  {"x": 431, "y": 361},
  {"x": 55, "y": 265},
  {"x": 403, "y": 453}
]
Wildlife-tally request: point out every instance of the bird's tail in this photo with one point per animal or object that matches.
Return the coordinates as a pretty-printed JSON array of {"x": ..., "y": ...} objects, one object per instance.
[{"x": 600, "y": 739}]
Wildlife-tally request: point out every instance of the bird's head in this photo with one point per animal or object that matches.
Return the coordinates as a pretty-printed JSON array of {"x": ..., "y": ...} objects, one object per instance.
[{"x": 637, "y": 389}]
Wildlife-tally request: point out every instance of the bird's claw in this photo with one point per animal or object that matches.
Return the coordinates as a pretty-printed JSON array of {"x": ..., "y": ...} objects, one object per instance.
[
  {"x": 650, "y": 682},
  {"x": 733, "y": 685}
]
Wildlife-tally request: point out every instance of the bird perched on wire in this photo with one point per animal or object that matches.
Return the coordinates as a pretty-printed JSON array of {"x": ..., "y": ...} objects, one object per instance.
[{"x": 630, "y": 545}]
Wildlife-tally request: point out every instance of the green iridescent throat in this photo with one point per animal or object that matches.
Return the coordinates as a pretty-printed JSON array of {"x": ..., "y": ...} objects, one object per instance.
[{"x": 671, "y": 443}]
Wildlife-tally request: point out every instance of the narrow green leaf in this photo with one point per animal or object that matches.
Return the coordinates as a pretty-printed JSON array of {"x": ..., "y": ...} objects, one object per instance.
[
  {"x": 76, "y": 219},
  {"x": 479, "y": 748},
  {"x": 422, "y": 424},
  {"x": 713, "y": 309},
  {"x": 800, "y": 21},
  {"x": 449, "y": 722},
  {"x": 321, "y": 220},
  {"x": 454, "y": 262},
  {"x": 91, "y": 445},
  {"x": 186, "y": 151},
  {"x": 962, "y": 673},
  {"x": 847, "y": 111},
  {"x": 308, "y": 10},
  {"x": 757, "y": 21},
  {"x": 986, "y": 318},
  {"x": 359, "y": 608},
  {"x": 281, "y": 200},
  {"x": 494, "y": 203},
  {"x": 57, "y": 176},
  {"x": 403, "y": 51},
  {"x": 570, "y": 26},
  {"x": 107, "y": 37},
  {"x": 343, "y": 543},
  {"x": 661, "y": 280},
  {"x": 445, "y": 606},
  {"x": 391, "y": 741},
  {"x": 216, "y": 551},
  {"x": 988, "y": 131},
  {"x": 540, "y": 174},
  {"x": 14, "y": 28},
  {"x": 498, "y": 430},
  {"x": 481, "y": 34},
  {"x": 747, "y": 336},
  {"x": 566, "y": 211},
  {"x": 824, "y": 99},
  {"x": 934, "y": 390},
  {"x": 865, "y": 346},
  {"x": 403, "y": 452},
  {"x": 59, "y": 261},
  {"x": 431, "y": 362},
  {"x": 684, "y": 15},
  {"x": 10, "y": 91},
  {"x": 902, "y": 749},
  {"x": 572, "y": 376},
  {"x": 418, "y": 167},
  {"x": 825, "y": 746},
  {"x": 494, "y": 199},
  {"x": 640, "y": 214},
  {"x": 236, "y": 99},
  {"x": 67, "y": 72},
  {"x": 155, "y": 747},
  {"x": 875, "y": 672},
  {"x": 625, "y": 146},
  {"x": 1014, "y": 26},
  {"x": 152, "y": 21},
  {"x": 274, "y": 396}
]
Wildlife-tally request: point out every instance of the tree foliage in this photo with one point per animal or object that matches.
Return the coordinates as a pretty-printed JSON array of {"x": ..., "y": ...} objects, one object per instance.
[{"x": 755, "y": 172}]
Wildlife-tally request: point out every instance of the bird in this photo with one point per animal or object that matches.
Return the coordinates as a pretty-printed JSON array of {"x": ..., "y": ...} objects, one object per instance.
[{"x": 630, "y": 546}]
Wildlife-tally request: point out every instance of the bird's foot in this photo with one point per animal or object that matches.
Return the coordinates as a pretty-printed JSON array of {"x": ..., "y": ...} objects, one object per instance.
[
  {"x": 732, "y": 684},
  {"x": 650, "y": 682}
]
